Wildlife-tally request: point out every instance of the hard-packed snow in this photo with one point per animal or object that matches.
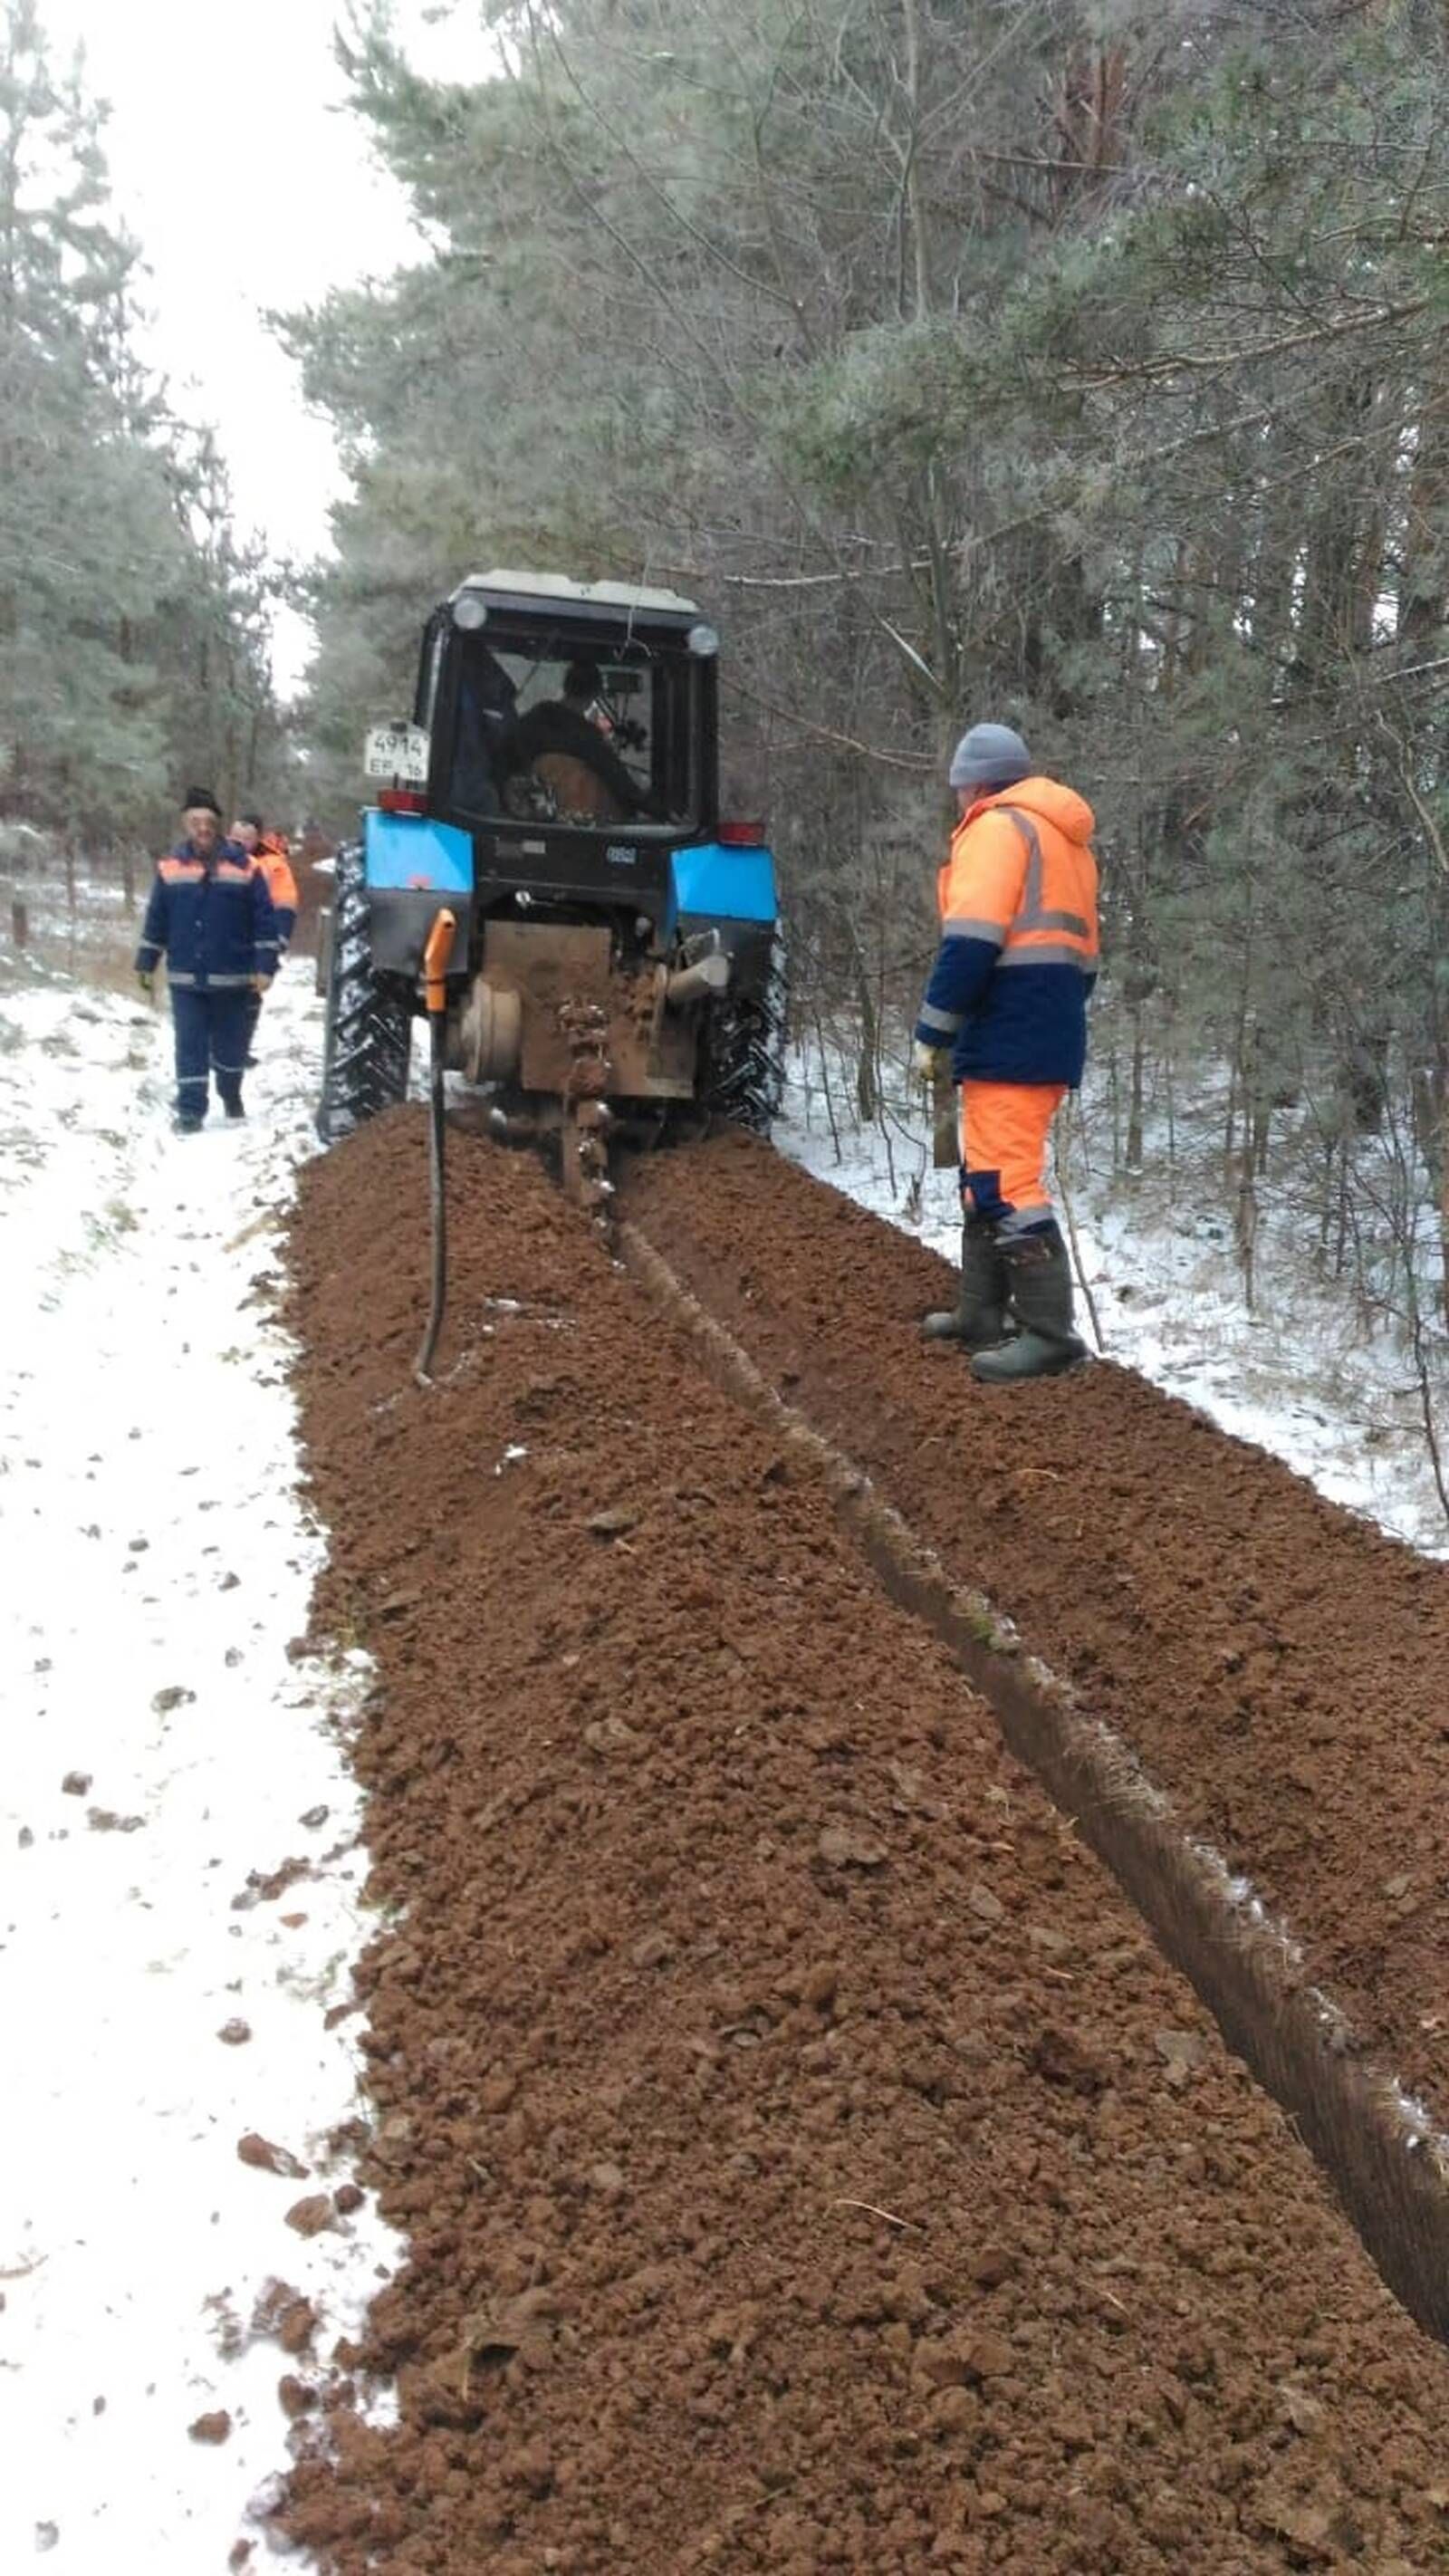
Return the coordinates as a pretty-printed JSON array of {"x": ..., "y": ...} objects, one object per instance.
[{"x": 163, "y": 1757}]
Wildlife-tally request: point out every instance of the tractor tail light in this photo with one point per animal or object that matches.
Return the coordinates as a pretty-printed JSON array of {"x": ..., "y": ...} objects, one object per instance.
[
  {"x": 402, "y": 800},
  {"x": 743, "y": 833}
]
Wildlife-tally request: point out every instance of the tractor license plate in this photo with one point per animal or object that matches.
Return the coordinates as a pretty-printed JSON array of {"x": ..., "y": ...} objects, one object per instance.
[{"x": 399, "y": 752}]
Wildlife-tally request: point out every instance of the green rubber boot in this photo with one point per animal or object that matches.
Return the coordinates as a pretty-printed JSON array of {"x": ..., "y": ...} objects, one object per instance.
[
  {"x": 1039, "y": 1288},
  {"x": 978, "y": 1320}
]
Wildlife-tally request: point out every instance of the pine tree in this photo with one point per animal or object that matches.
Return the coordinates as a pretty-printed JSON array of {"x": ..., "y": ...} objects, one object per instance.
[
  {"x": 132, "y": 644},
  {"x": 1085, "y": 371}
]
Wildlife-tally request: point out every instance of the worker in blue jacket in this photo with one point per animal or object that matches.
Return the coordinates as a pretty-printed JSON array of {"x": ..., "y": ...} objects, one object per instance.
[{"x": 210, "y": 915}]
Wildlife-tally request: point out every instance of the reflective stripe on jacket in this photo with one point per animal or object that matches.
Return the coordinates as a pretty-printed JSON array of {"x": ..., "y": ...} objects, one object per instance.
[
  {"x": 210, "y": 918},
  {"x": 1018, "y": 953}
]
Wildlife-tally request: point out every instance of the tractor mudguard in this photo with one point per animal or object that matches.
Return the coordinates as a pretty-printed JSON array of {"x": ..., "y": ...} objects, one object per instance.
[
  {"x": 414, "y": 866},
  {"x": 730, "y": 889}
]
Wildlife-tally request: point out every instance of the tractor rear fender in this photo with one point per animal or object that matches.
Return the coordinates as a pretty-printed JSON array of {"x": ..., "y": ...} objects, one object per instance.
[
  {"x": 721, "y": 881},
  {"x": 730, "y": 889},
  {"x": 414, "y": 868}
]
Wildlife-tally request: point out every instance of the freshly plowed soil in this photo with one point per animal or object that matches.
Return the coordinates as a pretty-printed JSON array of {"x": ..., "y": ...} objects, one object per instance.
[
  {"x": 1280, "y": 1668},
  {"x": 807, "y": 2161}
]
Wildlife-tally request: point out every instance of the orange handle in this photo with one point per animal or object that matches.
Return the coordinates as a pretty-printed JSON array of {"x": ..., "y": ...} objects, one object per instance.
[{"x": 435, "y": 959}]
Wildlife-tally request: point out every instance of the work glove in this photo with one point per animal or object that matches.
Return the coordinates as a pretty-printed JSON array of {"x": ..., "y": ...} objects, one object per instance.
[
  {"x": 926, "y": 1063},
  {"x": 146, "y": 978},
  {"x": 261, "y": 984}
]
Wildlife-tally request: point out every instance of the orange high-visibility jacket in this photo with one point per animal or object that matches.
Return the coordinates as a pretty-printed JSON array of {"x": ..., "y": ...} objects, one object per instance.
[
  {"x": 1018, "y": 953},
  {"x": 276, "y": 867}
]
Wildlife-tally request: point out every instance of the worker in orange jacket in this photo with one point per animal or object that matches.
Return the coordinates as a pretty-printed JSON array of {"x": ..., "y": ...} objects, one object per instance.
[
  {"x": 270, "y": 851},
  {"x": 271, "y": 855},
  {"x": 1008, "y": 997}
]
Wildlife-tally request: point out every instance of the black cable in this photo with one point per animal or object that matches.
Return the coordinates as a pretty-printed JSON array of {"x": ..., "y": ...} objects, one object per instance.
[{"x": 438, "y": 1031}]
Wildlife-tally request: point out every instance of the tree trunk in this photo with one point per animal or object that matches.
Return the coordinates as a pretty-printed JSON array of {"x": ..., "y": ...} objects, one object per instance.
[
  {"x": 867, "y": 1059},
  {"x": 1424, "y": 583},
  {"x": 1134, "y": 1096}
]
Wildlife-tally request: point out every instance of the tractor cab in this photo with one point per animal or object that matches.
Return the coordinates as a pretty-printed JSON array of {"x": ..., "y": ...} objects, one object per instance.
[
  {"x": 569, "y": 731},
  {"x": 582, "y": 707}
]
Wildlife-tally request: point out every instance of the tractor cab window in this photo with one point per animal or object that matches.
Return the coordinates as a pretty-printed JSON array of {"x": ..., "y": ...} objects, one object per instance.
[
  {"x": 430, "y": 671},
  {"x": 593, "y": 736}
]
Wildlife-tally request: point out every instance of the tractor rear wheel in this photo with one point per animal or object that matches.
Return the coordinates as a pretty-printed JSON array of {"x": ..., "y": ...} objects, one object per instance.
[
  {"x": 368, "y": 1034},
  {"x": 743, "y": 1071}
]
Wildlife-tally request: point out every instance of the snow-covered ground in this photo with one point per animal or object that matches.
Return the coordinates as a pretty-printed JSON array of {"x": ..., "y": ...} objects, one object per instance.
[
  {"x": 1299, "y": 1376},
  {"x": 163, "y": 1757}
]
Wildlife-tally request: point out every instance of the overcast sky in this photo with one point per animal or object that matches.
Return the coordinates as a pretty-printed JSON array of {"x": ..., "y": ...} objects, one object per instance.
[{"x": 248, "y": 187}]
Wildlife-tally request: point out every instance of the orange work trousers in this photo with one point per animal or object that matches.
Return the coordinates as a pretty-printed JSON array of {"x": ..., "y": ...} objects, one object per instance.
[{"x": 1004, "y": 1131}]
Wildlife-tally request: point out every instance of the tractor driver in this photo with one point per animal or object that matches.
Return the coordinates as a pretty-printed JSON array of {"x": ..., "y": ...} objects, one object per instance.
[{"x": 559, "y": 743}]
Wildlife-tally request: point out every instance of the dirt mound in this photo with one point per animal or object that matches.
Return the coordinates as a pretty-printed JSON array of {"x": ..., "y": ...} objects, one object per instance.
[
  {"x": 1278, "y": 1665},
  {"x": 807, "y": 2161}
]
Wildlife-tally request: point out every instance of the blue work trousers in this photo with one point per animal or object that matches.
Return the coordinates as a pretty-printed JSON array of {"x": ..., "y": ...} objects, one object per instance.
[{"x": 211, "y": 1038}]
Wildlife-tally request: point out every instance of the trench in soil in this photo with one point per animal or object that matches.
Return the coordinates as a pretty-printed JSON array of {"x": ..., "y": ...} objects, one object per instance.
[
  {"x": 807, "y": 2159},
  {"x": 1387, "y": 2166},
  {"x": 1277, "y": 1665}
]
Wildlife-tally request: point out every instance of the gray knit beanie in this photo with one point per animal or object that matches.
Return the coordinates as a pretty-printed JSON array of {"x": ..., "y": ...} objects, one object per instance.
[{"x": 990, "y": 755}]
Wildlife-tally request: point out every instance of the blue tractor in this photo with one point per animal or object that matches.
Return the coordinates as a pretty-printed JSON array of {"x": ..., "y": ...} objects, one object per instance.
[{"x": 547, "y": 873}]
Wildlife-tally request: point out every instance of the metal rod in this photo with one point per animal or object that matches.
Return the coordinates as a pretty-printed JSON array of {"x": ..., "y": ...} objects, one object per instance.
[
  {"x": 692, "y": 983},
  {"x": 1062, "y": 1144}
]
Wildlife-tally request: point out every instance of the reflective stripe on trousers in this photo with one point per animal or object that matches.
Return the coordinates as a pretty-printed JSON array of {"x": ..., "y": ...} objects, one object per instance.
[{"x": 211, "y": 1034}]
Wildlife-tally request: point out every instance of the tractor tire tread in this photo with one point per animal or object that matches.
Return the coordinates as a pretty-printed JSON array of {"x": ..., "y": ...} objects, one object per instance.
[
  {"x": 744, "y": 1055},
  {"x": 368, "y": 1037}
]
